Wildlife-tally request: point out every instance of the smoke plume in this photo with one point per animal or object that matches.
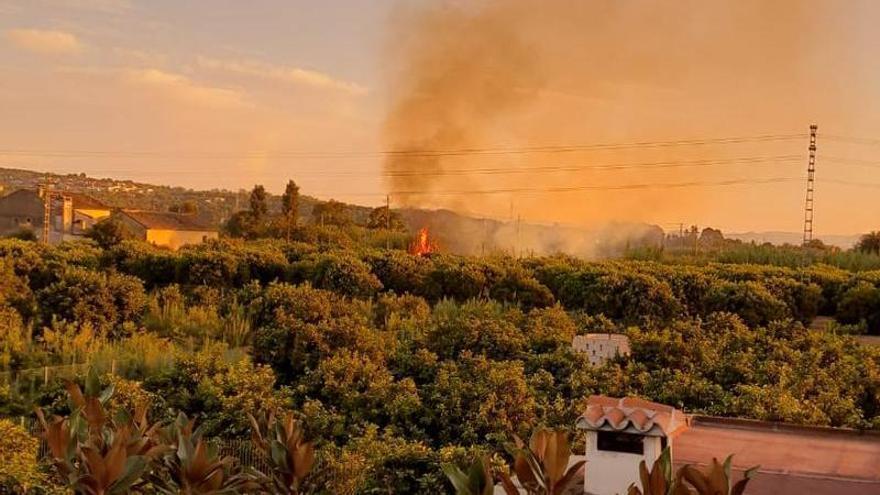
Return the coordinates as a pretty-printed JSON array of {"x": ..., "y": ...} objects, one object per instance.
[{"x": 474, "y": 83}]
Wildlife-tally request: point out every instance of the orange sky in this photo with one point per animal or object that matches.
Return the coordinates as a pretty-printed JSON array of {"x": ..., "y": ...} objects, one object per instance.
[{"x": 228, "y": 94}]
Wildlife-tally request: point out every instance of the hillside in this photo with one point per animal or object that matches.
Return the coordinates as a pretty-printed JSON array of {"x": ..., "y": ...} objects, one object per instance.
[{"x": 455, "y": 232}]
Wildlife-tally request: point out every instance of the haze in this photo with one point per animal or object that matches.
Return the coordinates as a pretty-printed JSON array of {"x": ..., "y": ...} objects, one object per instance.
[{"x": 227, "y": 94}]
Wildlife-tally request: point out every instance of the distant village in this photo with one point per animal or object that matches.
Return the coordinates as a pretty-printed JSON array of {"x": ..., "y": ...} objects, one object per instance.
[{"x": 57, "y": 208}]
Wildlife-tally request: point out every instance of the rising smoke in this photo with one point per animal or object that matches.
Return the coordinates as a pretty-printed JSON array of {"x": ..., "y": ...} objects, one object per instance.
[{"x": 510, "y": 74}]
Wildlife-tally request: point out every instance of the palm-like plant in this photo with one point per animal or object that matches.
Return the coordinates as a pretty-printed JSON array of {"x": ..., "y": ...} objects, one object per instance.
[
  {"x": 192, "y": 466},
  {"x": 660, "y": 480},
  {"x": 542, "y": 467},
  {"x": 477, "y": 480},
  {"x": 717, "y": 480},
  {"x": 92, "y": 453},
  {"x": 283, "y": 444}
]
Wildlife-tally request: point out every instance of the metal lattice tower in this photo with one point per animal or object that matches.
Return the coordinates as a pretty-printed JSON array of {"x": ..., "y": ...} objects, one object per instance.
[{"x": 811, "y": 180}]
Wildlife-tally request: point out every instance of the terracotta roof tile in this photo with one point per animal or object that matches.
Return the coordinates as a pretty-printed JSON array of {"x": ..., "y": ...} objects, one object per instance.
[
  {"x": 637, "y": 415},
  {"x": 168, "y": 221}
]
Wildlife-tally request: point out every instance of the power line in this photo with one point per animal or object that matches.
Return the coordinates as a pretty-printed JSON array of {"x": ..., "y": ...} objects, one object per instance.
[
  {"x": 851, "y": 140},
  {"x": 851, "y": 161},
  {"x": 398, "y": 152},
  {"x": 576, "y": 168},
  {"x": 529, "y": 169},
  {"x": 565, "y": 189},
  {"x": 852, "y": 183}
]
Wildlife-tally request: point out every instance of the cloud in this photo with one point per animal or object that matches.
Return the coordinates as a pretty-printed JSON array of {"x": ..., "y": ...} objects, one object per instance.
[
  {"x": 286, "y": 74},
  {"x": 44, "y": 41},
  {"x": 185, "y": 89},
  {"x": 132, "y": 56}
]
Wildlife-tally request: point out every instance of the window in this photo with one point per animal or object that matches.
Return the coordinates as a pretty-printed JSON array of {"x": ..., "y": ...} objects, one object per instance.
[{"x": 627, "y": 443}]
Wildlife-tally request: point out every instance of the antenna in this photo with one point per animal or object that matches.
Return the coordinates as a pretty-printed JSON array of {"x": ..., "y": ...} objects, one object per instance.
[{"x": 811, "y": 180}]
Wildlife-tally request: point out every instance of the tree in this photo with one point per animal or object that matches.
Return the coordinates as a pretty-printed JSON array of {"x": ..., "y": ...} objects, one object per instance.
[
  {"x": 108, "y": 233},
  {"x": 331, "y": 213},
  {"x": 290, "y": 205},
  {"x": 242, "y": 224},
  {"x": 23, "y": 234},
  {"x": 259, "y": 206},
  {"x": 384, "y": 218},
  {"x": 869, "y": 243}
]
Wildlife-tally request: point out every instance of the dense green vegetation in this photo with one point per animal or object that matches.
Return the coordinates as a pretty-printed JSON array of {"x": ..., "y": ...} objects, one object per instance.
[{"x": 396, "y": 364}]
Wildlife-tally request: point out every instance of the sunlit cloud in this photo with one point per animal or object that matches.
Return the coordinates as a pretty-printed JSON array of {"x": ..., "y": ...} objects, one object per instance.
[
  {"x": 132, "y": 56},
  {"x": 44, "y": 41},
  {"x": 184, "y": 88},
  {"x": 286, "y": 74}
]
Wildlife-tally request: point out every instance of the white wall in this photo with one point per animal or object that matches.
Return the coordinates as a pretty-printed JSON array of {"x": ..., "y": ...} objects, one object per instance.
[{"x": 611, "y": 473}]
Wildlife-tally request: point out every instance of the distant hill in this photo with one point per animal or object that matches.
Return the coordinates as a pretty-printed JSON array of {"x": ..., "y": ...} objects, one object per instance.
[
  {"x": 214, "y": 206},
  {"x": 453, "y": 231}
]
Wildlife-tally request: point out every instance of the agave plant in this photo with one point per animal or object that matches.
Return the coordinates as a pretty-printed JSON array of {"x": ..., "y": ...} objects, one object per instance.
[
  {"x": 542, "y": 467},
  {"x": 717, "y": 481},
  {"x": 192, "y": 466},
  {"x": 660, "y": 480},
  {"x": 477, "y": 481},
  {"x": 283, "y": 444},
  {"x": 92, "y": 453}
]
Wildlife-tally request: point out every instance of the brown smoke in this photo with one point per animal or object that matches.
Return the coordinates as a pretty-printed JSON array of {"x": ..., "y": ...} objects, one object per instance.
[{"x": 511, "y": 74}]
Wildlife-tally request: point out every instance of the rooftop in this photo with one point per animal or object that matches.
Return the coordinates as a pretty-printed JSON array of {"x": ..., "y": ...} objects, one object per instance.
[
  {"x": 162, "y": 220},
  {"x": 80, "y": 200},
  {"x": 86, "y": 202},
  {"x": 792, "y": 459},
  {"x": 631, "y": 415}
]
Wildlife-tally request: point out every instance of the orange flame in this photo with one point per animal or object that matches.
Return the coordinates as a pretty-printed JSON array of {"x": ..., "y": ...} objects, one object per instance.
[{"x": 422, "y": 245}]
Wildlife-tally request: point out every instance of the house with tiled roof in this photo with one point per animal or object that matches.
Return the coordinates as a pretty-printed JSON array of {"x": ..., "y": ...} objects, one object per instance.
[
  {"x": 790, "y": 459},
  {"x": 70, "y": 214},
  {"x": 166, "y": 229},
  {"x": 620, "y": 434}
]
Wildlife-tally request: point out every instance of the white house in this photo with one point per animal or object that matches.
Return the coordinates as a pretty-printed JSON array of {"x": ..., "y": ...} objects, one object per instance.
[
  {"x": 601, "y": 347},
  {"x": 620, "y": 433}
]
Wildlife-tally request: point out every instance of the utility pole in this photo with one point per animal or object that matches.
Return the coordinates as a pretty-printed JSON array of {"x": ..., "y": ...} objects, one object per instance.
[
  {"x": 811, "y": 179},
  {"x": 517, "y": 249},
  {"x": 47, "y": 211}
]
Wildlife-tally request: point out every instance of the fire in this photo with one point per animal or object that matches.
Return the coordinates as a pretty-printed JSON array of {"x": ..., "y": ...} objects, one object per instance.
[{"x": 422, "y": 245}]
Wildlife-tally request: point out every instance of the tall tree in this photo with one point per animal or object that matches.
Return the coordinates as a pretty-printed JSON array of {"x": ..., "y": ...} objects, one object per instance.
[
  {"x": 259, "y": 207},
  {"x": 108, "y": 233},
  {"x": 290, "y": 205},
  {"x": 384, "y": 218},
  {"x": 869, "y": 243},
  {"x": 331, "y": 213}
]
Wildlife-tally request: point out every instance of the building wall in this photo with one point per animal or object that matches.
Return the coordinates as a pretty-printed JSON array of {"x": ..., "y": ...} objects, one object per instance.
[
  {"x": 84, "y": 219},
  {"x": 174, "y": 239},
  {"x": 611, "y": 473},
  {"x": 21, "y": 210},
  {"x": 601, "y": 347}
]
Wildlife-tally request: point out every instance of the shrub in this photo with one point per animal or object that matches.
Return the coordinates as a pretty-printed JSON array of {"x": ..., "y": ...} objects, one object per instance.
[{"x": 19, "y": 466}]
